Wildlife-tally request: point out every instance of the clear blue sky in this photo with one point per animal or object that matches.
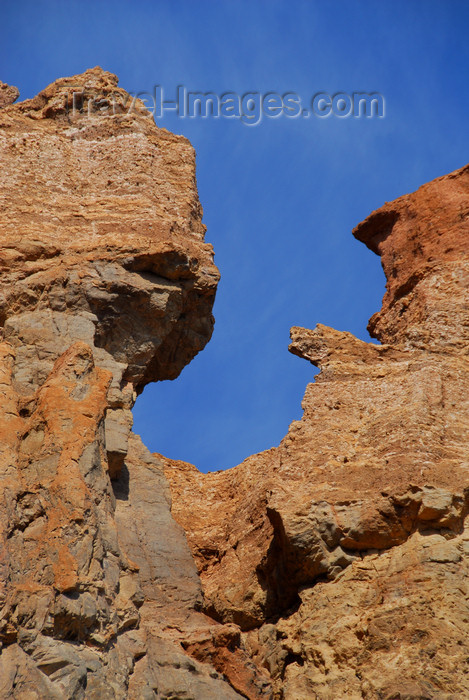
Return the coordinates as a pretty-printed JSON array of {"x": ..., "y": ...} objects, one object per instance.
[{"x": 280, "y": 199}]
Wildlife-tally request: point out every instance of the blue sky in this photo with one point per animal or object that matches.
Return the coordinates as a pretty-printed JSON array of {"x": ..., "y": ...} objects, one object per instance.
[{"x": 281, "y": 198}]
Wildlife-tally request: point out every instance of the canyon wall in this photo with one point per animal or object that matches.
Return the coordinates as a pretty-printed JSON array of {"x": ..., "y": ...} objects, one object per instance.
[
  {"x": 333, "y": 566},
  {"x": 106, "y": 284},
  {"x": 343, "y": 553}
]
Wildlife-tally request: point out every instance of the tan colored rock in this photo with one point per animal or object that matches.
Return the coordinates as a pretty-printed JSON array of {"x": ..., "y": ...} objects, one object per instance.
[
  {"x": 100, "y": 217},
  {"x": 171, "y": 593},
  {"x": 8, "y": 94},
  {"x": 341, "y": 553},
  {"x": 333, "y": 566},
  {"x": 392, "y": 625},
  {"x": 106, "y": 284}
]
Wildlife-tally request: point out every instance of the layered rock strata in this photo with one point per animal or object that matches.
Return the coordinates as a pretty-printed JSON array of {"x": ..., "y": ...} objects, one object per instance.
[
  {"x": 333, "y": 566},
  {"x": 106, "y": 284},
  {"x": 343, "y": 553}
]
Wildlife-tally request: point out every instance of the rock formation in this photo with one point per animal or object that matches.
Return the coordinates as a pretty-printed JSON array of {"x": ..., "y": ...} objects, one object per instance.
[
  {"x": 8, "y": 94},
  {"x": 343, "y": 554},
  {"x": 333, "y": 566},
  {"x": 106, "y": 284}
]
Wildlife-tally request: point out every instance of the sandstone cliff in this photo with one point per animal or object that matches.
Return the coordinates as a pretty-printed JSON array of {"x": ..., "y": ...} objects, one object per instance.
[
  {"x": 106, "y": 284},
  {"x": 333, "y": 566},
  {"x": 343, "y": 554}
]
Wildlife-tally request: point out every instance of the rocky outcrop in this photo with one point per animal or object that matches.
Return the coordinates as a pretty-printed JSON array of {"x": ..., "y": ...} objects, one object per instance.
[
  {"x": 8, "y": 94},
  {"x": 342, "y": 554},
  {"x": 332, "y": 566},
  {"x": 106, "y": 284}
]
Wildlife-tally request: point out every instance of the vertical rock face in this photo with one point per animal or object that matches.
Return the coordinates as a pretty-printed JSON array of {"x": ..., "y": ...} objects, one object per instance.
[
  {"x": 106, "y": 284},
  {"x": 333, "y": 566},
  {"x": 423, "y": 243},
  {"x": 343, "y": 554}
]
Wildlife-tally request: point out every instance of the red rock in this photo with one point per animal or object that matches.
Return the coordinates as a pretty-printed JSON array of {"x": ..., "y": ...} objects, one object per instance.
[
  {"x": 326, "y": 550},
  {"x": 333, "y": 566}
]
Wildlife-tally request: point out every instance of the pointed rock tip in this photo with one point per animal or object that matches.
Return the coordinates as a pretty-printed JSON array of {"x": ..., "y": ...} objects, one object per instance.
[{"x": 8, "y": 94}]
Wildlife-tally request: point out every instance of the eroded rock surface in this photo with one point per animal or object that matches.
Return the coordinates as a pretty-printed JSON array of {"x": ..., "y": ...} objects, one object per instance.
[
  {"x": 8, "y": 94},
  {"x": 342, "y": 554},
  {"x": 106, "y": 284},
  {"x": 333, "y": 566}
]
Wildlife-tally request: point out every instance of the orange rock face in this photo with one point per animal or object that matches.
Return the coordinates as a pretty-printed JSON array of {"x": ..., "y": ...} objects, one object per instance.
[
  {"x": 423, "y": 243},
  {"x": 333, "y": 566},
  {"x": 343, "y": 553},
  {"x": 106, "y": 284}
]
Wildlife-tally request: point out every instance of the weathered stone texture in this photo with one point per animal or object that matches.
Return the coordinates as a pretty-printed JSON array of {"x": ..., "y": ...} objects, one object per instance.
[
  {"x": 333, "y": 566},
  {"x": 342, "y": 553},
  {"x": 8, "y": 94},
  {"x": 106, "y": 284}
]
